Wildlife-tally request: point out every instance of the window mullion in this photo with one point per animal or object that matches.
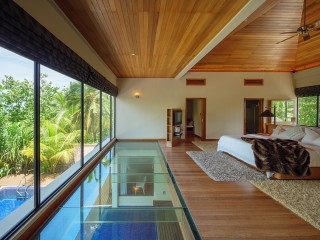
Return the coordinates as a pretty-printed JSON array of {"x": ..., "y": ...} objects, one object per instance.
[
  {"x": 100, "y": 120},
  {"x": 36, "y": 135},
  {"x": 111, "y": 118},
  {"x": 82, "y": 124},
  {"x": 317, "y": 116}
]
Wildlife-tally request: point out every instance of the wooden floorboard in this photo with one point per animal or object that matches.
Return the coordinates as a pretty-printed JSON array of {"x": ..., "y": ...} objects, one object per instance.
[{"x": 232, "y": 210}]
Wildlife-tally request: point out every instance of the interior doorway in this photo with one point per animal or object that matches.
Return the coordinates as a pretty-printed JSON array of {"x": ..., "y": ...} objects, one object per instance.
[
  {"x": 253, "y": 123},
  {"x": 195, "y": 118}
]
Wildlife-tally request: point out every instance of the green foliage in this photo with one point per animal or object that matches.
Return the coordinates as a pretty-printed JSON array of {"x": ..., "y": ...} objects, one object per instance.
[
  {"x": 307, "y": 111},
  {"x": 60, "y": 116},
  {"x": 16, "y": 124},
  {"x": 284, "y": 110},
  {"x": 91, "y": 115},
  {"x": 106, "y": 111}
]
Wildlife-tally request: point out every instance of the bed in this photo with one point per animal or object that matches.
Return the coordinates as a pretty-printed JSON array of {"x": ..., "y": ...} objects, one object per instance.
[{"x": 241, "y": 150}]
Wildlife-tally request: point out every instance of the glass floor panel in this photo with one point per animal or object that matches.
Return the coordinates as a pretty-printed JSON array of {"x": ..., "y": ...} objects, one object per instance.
[{"x": 128, "y": 195}]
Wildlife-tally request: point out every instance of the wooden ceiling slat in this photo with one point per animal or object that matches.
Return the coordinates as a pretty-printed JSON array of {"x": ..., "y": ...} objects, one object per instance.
[
  {"x": 308, "y": 52},
  {"x": 263, "y": 32},
  {"x": 253, "y": 46},
  {"x": 165, "y": 35}
]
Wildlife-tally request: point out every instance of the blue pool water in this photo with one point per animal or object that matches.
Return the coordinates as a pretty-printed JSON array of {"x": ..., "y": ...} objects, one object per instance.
[
  {"x": 7, "y": 206},
  {"x": 126, "y": 231},
  {"x": 9, "y": 202}
]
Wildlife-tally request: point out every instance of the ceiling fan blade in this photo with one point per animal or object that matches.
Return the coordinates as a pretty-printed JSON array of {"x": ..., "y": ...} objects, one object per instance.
[
  {"x": 314, "y": 26},
  {"x": 304, "y": 12},
  {"x": 288, "y": 32},
  {"x": 287, "y": 39}
]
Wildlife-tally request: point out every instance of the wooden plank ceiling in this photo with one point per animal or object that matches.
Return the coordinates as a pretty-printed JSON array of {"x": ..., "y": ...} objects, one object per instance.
[
  {"x": 254, "y": 46},
  {"x": 149, "y": 38},
  {"x": 158, "y": 38},
  {"x": 308, "y": 52}
]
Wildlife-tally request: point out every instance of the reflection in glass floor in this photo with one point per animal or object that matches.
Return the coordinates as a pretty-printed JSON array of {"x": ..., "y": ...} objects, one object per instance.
[{"x": 128, "y": 195}]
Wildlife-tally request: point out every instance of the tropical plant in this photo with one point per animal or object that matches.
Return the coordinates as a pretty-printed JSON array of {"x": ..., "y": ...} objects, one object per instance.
[
  {"x": 106, "y": 111},
  {"x": 60, "y": 121},
  {"x": 16, "y": 124},
  {"x": 91, "y": 114},
  {"x": 56, "y": 147}
]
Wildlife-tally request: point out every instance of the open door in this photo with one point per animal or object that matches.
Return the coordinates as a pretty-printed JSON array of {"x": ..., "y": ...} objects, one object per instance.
[
  {"x": 195, "y": 118},
  {"x": 253, "y": 123}
]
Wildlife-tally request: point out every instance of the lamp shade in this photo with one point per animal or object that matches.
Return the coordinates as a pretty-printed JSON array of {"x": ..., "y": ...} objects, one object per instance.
[{"x": 267, "y": 113}]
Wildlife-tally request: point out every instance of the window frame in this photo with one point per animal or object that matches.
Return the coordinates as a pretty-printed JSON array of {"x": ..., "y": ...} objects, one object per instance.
[
  {"x": 286, "y": 109},
  {"x": 38, "y": 202}
]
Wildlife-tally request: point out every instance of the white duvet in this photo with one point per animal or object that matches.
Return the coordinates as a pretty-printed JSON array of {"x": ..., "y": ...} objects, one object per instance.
[{"x": 242, "y": 150}]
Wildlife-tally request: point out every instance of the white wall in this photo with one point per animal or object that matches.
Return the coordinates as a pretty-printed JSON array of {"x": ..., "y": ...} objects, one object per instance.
[
  {"x": 308, "y": 77},
  {"x": 145, "y": 117}
]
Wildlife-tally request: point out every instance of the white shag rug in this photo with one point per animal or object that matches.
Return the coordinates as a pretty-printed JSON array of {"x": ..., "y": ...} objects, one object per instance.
[
  {"x": 300, "y": 196},
  {"x": 221, "y": 167}
]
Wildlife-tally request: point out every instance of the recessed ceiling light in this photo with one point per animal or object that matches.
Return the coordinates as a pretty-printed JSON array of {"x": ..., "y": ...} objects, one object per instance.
[{"x": 133, "y": 54}]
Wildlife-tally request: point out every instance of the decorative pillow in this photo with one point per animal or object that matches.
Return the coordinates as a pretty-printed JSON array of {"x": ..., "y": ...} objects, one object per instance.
[
  {"x": 315, "y": 129},
  {"x": 283, "y": 135},
  {"x": 287, "y": 127},
  {"x": 277, "y": 131},
  {"x": 295, "y": 133},
  {"x": 310, "y": 136}
]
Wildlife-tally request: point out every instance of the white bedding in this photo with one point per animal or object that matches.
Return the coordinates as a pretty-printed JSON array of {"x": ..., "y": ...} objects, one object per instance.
[{"x": 242, "y": 150}]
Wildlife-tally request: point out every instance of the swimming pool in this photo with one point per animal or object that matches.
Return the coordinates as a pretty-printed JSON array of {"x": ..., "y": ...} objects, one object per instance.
[
  {"x": 128, "y": 195},
  {"x": 10, "y": 201}
]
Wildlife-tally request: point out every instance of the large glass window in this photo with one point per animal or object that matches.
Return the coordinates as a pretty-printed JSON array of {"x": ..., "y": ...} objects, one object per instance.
[
  {"x": 106, "y": 120},
  {"x": 60, "y": 133},
  {"x": 284, "y": 110},
  {"x": 16, "y": 138},
  {"x": 91, "y": 122},
  {"x": 307, "y": 110},
  {"x": 60, "y": 129}
]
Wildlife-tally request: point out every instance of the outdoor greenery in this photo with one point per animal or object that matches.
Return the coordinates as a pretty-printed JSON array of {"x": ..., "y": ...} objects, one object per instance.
[
  {"x": 284, "y": 110},
  {"x": 60, "y": 116},
  {"x": 307, "y": 111}
]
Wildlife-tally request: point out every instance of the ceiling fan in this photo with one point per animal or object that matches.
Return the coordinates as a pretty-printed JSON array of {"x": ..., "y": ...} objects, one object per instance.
[{"x": 304, "y": 29}]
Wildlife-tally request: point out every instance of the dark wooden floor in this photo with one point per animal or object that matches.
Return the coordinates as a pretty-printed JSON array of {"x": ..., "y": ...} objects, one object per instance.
[{"x": 232, "y": 210}]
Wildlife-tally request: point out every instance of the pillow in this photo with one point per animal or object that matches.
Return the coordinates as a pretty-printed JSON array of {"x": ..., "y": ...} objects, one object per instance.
[
  {"x": 315, "y": 129},
  {"x": 287, "y": 127},
  {"x": 283, "y": 135},
  {"x": 277, "y": 131},
  {"x": 310, "y": 136},
  {"x": 295, "y": 133}
]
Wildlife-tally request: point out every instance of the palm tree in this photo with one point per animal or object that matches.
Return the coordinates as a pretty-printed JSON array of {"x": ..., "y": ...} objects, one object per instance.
[
  {"x": 59, "y": 133},
  {"x": 91, "y": 114}
]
